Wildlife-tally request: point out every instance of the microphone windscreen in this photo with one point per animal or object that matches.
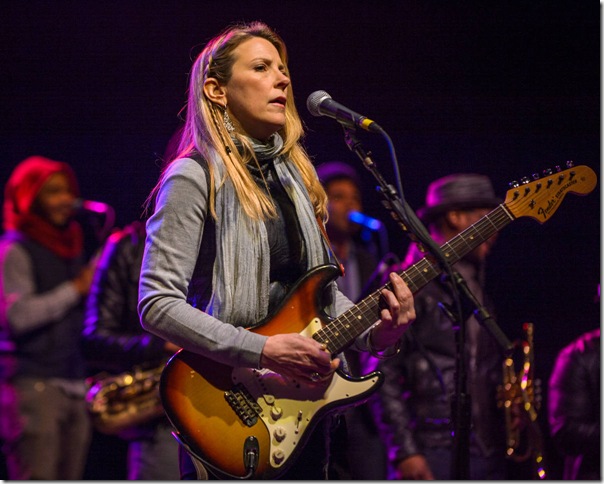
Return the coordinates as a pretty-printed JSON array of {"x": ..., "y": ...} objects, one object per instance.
[
  {"x": 314, "y": 101},
  {"x": 90, "y": 206}
]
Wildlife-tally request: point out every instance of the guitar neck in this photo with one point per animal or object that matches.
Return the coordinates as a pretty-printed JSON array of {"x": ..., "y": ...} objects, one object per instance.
[{"x": 343, "y": 330}]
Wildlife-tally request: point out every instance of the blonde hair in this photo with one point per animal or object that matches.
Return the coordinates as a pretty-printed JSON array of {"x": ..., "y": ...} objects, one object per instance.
[{"x": 205, "y": 131}]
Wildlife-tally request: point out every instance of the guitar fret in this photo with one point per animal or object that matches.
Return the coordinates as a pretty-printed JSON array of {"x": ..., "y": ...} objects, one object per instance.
[
  {"x": 324, "y": 336},
  {"x": 340, "y": 332},
  {"x": 448, "y": 251},
  {"x": 347, "y": 329},
  {"x": 424, "y": 271},
  {"x": 479, "y": 232}
]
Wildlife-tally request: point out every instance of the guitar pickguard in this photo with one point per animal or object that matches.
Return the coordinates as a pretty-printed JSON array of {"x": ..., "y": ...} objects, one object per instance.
[{"x": 289, "y": 407}]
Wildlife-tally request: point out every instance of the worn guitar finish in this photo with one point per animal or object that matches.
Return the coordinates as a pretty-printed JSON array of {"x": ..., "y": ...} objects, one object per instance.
[{"x": 217, "y": 409}]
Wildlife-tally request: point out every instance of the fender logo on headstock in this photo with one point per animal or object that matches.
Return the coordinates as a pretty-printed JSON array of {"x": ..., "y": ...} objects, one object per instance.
[
  {"x": 541, "y": 198},
  {"x": 552, "y": 203}
]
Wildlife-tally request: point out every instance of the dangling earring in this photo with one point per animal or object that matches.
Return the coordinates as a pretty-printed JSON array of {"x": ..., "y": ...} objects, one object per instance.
[{"x": 226, "y": 119}]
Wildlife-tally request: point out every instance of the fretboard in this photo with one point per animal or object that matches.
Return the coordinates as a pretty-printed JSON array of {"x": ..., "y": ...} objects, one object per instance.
[{"x": 343, "y": 330}]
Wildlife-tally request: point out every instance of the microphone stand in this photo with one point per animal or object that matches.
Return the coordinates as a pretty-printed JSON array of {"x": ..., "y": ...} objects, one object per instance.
[
  {"x": 413, "y": 227},
  {"x": 486, "y": 320},
  {"x": 461, "y": 405}
]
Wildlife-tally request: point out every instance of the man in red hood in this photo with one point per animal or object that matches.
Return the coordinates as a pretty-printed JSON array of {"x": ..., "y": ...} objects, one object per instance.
[{"x": 43, "y": 281}]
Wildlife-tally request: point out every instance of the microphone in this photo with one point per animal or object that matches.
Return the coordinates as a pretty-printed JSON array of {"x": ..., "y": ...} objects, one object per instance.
[
  {"x": 370, "y": 225},
  {"x": 99, "y": 208},
  {"x": 365, "y": 220},
  {"x": 319, "y": 103},
  {"x": 91, "y": 206}
]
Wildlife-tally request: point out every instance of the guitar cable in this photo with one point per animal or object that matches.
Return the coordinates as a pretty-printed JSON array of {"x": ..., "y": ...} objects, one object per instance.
[{"x": 251, "y": 451}]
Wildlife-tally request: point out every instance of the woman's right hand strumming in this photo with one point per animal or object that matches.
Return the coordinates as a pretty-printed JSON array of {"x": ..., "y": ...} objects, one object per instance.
[{"x": 299, "y": 357}]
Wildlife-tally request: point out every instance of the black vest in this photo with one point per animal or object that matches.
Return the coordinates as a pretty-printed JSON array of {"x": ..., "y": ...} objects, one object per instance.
[{"x": 53, "y": 350}]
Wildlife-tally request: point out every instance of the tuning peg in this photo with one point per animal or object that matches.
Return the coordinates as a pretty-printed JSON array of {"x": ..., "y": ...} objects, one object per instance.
[
  {"x": 535, "y": 176},
  {"x": 513, "y": 184},
  {"x": 558, "y": 169},
  {"x": 524, "y": 180},
  {"x": 547, "y": 172},
  {"x": 570, "y": 163}
]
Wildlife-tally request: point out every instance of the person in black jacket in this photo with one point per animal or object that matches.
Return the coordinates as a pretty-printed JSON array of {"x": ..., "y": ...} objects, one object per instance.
[
  {"x": 115, "y": 341},
  {"x": 44, "y": 425},
  {"x": 415, "y": 403},
  {"x": 574, "y": 406}
]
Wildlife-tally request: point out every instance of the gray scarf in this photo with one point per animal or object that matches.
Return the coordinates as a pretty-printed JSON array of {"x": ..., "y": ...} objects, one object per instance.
[{"x": 240, "y": 287}]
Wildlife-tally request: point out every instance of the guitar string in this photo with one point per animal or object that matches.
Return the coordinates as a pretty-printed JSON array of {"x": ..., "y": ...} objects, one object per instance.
[
  {"x": 353, "y": 324},
  {"x": 335, "y": 330},
  {"x": 354, "y": 321}
]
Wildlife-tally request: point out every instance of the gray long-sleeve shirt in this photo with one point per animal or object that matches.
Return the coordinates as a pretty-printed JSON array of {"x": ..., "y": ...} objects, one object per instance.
[{"x": 174, "y": 237}]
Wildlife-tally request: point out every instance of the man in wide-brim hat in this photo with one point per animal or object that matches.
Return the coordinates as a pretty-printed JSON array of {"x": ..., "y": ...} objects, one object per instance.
[
  {"x": 415, "y": 399},
  {"x": 453, "y": 203}
]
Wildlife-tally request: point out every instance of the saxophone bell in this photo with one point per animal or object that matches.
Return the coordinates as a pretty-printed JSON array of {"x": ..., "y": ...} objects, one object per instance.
[{"x": 119, "y": 403}]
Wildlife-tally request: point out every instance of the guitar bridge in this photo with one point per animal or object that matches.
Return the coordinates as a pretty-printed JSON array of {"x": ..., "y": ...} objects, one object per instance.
[{"x": 243, "y": 404}]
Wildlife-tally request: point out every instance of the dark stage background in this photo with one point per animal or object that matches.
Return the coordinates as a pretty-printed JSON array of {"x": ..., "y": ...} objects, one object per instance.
[{"x": 501, "y": 88}]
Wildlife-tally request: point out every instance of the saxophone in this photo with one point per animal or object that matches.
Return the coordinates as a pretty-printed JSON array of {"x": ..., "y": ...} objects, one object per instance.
[
  {"x": 520, "y": 398},
  {"x": 118, "y": 403}
]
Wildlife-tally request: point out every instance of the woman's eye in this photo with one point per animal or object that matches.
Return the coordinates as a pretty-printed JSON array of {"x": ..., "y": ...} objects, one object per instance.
[{"x": 261, "y": 67}]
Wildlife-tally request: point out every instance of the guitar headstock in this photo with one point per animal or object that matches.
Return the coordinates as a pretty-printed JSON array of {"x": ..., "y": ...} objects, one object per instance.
[{"x": 540, "y": 198}]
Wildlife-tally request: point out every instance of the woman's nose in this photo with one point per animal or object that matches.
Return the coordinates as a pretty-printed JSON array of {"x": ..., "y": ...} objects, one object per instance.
[{"x": 283, "y": 80}]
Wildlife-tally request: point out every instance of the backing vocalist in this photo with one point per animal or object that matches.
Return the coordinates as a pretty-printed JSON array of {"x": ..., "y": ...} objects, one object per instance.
[{"x": 43, "y": 280}]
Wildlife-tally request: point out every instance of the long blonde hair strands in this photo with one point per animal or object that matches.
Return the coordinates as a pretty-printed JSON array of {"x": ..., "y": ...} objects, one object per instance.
[{"x": 204, "y": 129}]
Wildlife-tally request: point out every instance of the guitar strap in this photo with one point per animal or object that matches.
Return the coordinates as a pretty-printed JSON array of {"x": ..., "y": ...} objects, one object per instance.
[{"x": 326, "y": 238}]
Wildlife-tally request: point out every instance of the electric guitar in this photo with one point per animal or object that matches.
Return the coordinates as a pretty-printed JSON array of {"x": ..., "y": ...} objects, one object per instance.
[{"x": 251, "y": 423}]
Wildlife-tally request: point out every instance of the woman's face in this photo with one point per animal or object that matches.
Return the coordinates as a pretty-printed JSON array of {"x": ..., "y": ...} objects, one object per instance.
[
  {"x": 55, "y": 200},
  {"x": 256, "y": 91}
]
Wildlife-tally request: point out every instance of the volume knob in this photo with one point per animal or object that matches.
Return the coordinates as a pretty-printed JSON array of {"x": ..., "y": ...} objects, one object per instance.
[
  {"x": 280, "y": 434},
  {"x": 278, "y": 456},
  {"x": 276, "y": 412}
]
